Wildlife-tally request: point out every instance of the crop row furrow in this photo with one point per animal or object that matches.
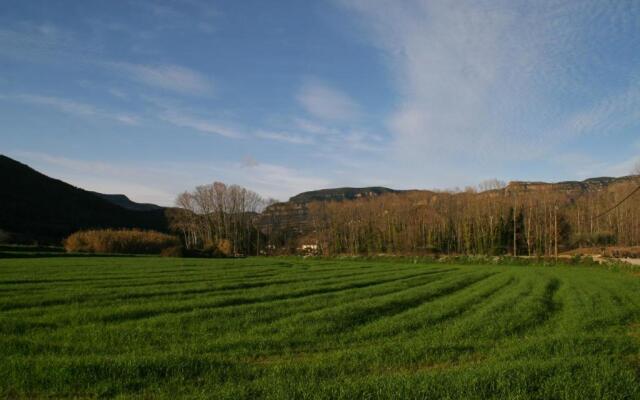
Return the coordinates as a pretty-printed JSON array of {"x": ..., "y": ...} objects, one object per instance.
[{"x": 229, "y": 301}]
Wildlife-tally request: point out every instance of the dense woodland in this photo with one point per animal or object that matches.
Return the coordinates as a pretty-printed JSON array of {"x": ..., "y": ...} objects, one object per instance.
[
  {"x": 512, "y": 220},
  {"x": 522, "y": 219}
]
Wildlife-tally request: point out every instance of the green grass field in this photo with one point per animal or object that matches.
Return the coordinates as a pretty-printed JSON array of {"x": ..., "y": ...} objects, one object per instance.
[{"x": 291, "y": 328}]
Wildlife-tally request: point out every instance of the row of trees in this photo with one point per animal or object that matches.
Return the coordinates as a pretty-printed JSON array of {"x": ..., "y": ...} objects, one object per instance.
[
  {"x": 514, "y": 220},
  {"x": 521, "y": 219}
]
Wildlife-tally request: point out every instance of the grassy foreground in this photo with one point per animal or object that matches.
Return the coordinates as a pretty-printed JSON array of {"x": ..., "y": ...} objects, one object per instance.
[{"x": 291, "y": 328}]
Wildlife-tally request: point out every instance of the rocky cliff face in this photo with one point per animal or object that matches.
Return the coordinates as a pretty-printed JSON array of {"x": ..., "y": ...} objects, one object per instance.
[
  {"x": 568, "y": 187},
  {"x": 290, "y": 216},
  {"x": 339, "y": 194},
  {"x": 293, "y": 216}
]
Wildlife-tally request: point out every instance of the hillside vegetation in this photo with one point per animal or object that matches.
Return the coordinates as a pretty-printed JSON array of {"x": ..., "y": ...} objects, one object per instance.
[{"x": 290, "y": 328}]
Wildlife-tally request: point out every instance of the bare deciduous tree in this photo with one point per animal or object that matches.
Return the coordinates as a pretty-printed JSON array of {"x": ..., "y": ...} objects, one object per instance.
[
  {"x": 534, "y": 219},
  {"x": 543, "y": 222},
  {"x": 218, "y": 215}
]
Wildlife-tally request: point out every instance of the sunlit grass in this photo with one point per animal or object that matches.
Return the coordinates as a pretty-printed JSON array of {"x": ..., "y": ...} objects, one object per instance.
[{"x": 293, "y": 328}]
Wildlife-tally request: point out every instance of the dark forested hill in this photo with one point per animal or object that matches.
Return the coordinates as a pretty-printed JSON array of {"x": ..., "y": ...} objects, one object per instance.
[{"x": 34, "y": 206}]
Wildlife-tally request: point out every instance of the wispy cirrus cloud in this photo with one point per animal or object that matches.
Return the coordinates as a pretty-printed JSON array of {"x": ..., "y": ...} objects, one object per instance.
[
  {"x": 174, "y": 112},
  {"x": 297, "y": 131},
  {"x": 174, "y": 78},
  {"x": 284, "y": 137},
  {"x": 313, "y": 127},
  {"x": 607, "y": 114},
  {"x": 43, "y": 42},
  {"x": 362, "y": 141},
  {"x": 478, "y": 80},
  {"x": 326, "y": 102},
  {"x": 72, "y": 107},
  {"x": 191, "y": 14},
  {"x": 447, "y": 58},
  {"x": 202, "y": 125},
  {"x": 278, "y": 181},
  {"x": 51, "y": 44}
]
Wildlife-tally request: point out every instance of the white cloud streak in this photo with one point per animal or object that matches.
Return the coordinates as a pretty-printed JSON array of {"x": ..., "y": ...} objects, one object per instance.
[
  {"x": 326, "y": 102},
  {"x": 201, "y": 125},
  {"x": 314, "y": 127},
  {"x": 72, "y": 107},
  {"x": 284, "y": 137},
  {"x": 173, "y": 78}
]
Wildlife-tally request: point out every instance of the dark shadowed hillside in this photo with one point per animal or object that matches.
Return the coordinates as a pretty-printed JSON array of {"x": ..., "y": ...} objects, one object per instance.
[{"x": 36, "y": 207}]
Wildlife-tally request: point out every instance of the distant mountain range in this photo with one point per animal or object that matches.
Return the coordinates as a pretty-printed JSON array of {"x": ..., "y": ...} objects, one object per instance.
[{"x": 35, "y": 207}]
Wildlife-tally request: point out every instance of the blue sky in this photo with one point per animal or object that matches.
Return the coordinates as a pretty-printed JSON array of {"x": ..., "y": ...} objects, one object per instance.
[{"x": 150, "y": 98}]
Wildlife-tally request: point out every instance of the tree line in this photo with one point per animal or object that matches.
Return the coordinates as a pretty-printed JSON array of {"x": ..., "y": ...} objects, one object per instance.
[
  {"x": 521, "y": 219},
  {"x": 506, "y": 221}
]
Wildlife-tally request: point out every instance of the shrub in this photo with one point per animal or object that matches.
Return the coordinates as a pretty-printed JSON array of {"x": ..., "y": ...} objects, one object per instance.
[
  {"x": 120, "y": 241},
  {"x": 225, "y": 247}
]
